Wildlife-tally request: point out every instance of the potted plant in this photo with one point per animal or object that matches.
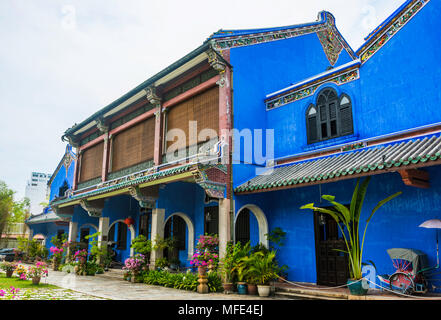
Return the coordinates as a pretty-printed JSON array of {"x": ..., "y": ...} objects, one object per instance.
[
  {"x": 20, "y": 271},
  {"x": 264, "y": 267},
  {"x": 57, "y": 254},
  {"x": 37, "y": 272},
  {"x": 227, "y": 268},
  {"x": 133, "y": 265},
  {"x": 80, "y": 258},
  {"x": 350, "y": 218},
  {"x": 241, "y": 272},
  {"x": 9, "y": 268}
]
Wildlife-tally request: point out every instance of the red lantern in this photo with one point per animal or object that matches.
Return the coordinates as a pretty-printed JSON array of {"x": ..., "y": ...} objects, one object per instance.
[{"x": 129, "y": 221}]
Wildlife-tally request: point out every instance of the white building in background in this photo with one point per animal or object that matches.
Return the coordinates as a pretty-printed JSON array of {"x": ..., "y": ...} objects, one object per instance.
[{"x": 37, "y": 191}]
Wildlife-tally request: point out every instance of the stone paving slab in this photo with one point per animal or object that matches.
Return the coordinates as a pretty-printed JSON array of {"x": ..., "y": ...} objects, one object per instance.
[{"x": 111, "y": 288}]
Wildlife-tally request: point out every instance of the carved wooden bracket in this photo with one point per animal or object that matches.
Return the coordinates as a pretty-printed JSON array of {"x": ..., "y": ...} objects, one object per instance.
[
  {"x": 64, "y": 213},
  {"x": 93, "y": 208},
  {"x": 212, "y": 179},
  {"x": 415, "y": 178},
  {"x": 146, "y": 197}
]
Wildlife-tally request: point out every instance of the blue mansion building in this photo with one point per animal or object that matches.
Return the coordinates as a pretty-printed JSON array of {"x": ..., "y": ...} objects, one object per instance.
[
  {"x": 325, "y": 115},
  {"x": 47, "y": 224}
]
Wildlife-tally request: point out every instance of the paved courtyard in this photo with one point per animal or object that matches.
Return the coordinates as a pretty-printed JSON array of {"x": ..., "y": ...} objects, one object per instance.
[{"x": 106, "y": 287}]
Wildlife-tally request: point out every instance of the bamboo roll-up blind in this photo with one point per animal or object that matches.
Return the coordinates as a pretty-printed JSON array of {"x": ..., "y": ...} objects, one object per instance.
[
  {"x": 92, "y": 162},
  {"x": 203, "y": 108},
  {"x": 134, "y": 145}
]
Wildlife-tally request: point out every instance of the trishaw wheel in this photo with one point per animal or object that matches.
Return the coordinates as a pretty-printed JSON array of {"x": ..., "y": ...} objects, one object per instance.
[{"x": 402, "y": 283}]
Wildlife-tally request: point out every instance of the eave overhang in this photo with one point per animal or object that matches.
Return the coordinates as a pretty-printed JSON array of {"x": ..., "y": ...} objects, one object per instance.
[
  {"x": 171, "y": 72},
  {"x": 378, "y": 159}
]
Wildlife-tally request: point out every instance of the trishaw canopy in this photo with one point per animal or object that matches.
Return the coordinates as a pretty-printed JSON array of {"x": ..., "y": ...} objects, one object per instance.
[{"x": 416, "y": 257}]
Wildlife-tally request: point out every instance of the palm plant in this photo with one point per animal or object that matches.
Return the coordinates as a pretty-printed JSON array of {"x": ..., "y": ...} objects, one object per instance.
[
  {"x": 262, "y": 267},
  {"x": 350, "y": 218}
]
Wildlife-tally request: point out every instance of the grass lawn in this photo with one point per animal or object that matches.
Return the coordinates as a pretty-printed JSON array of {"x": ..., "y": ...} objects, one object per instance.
[{"x": 15, "y": 282}]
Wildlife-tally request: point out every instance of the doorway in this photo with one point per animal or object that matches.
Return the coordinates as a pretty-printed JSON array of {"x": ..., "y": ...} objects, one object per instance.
[{"x": 332, "y": 265}]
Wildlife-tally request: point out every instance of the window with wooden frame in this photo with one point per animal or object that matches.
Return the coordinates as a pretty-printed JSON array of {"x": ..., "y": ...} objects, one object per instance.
[
  {"x": 121, "y": 240},
  {"x": 145, "y": 222},
  {"x": 330, "y": 117},
  {"x": 134, "y": 145},
  {"x": 203, "y": 108},
  {"x": 92, "y": 162}
]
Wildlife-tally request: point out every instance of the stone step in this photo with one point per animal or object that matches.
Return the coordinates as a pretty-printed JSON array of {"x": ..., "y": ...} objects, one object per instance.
[
  {"x": 299, "y": 296},
  {"x": 318, "y": 294}
]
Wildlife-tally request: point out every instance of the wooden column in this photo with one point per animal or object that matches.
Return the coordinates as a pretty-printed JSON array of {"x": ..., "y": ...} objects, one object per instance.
[
  {"x": 106, "y": 153},
  {"x": 155, "y": 100}
]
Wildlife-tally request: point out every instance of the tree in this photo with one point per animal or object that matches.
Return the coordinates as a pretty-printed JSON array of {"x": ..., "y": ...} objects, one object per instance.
[
  {"x": 20, "y": 211},
  {"x": 6, "y": 204}
]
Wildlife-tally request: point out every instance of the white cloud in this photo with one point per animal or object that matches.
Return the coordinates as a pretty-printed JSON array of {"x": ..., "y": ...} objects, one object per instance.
[{"x": 62, "y": 61}]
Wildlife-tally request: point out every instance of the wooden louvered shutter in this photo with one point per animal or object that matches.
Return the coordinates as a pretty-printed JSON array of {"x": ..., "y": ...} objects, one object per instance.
[
  {"x": 206, "y": 110},
  {"x": 134, "y": 145},
  {"x": 346, "y": 121},
  {"x": 311, "y": 124},
  {"x": 92, "y": 162},
  {"x": 177, "y": 118},
  {"x": 203, "y": 108}
]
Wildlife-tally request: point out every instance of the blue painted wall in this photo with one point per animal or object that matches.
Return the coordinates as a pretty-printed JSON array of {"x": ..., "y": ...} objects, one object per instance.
[
  {"x": 275, "y": 65},
  {"x": 48, "y": 230},
  {"x": 397, "y": 80},
  {"x": 399, "y": 83},
  {"x": 394, "y": 225}
]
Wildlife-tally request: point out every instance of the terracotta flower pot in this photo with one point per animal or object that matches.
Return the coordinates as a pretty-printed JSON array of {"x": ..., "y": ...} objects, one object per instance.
[
  {"x": 36, "y": 280},
  {"x": 228, "y": 287},
  {"x": 252, "y": 289},
  {"x": 9, "y": 273}
]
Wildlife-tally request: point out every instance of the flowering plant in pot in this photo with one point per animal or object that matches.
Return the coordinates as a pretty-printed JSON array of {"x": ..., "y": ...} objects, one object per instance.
[
  {"x": 37, "y": 272},
  {"x": 134, "y": 265},
  {"x": 9, "y": 268},
  {"x": 208, "y": 242},
  {"x": 57, "y": 254},
  {"x": 204, "y": 259},
  {"x": 80, "y": 257},
  {"x": 20, "y": 271},
  {"x": 350, "y": 219}
]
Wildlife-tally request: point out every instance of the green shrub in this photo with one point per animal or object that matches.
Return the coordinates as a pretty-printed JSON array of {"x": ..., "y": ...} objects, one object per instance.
[{"x": 183, "y": 281}]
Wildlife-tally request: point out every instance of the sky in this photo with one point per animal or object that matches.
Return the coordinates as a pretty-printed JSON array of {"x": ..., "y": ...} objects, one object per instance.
[{"x": 61, "y": 61}]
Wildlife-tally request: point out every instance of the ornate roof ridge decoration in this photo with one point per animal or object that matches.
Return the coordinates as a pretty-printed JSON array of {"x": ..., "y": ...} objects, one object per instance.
[
  {"x": 332, "y": 45},
  {"x": 67, "y": 159},
  {"x": 325, "y": 23},
  {"x": 375, "y": 42},
  {"x": 308, "y": 89},
  {"x": 416, "y": 152}
]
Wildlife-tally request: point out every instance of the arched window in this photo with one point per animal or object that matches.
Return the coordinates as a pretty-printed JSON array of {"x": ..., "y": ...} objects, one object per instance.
[
  {"x": 62, "y": 190},
  {"x": 330, "y": 117}
]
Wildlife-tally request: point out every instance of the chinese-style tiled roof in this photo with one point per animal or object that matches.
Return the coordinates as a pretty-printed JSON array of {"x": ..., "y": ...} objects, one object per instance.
[
  {"x": 43, "y": 217},
  {"x": 327, "y": 169},
  {"x": 125, "y": 182}
]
